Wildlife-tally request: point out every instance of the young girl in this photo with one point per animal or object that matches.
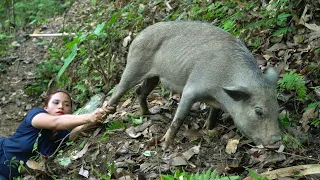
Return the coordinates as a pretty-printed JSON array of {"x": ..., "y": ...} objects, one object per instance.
[{"x": 46, "y": 127}]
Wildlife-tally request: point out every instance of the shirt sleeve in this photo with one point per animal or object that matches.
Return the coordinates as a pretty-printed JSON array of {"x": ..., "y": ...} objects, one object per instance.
[{"x": 33, "y": 113}]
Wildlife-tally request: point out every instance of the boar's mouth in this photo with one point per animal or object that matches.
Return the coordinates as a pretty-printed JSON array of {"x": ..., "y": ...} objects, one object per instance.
[
  {"x": 269, "y": 145},
  {"x": 274, "y": 146}
]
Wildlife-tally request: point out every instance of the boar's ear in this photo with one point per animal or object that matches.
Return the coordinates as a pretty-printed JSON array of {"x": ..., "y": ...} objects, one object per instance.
[
  {"x": 237, "y": 93},
  {"x": 272, "y": 75}
]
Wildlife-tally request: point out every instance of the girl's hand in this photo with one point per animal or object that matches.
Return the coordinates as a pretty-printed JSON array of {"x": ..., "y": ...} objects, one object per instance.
[
  {"x": 97, "y": 115},
  {"x": 109, "y": 109}
]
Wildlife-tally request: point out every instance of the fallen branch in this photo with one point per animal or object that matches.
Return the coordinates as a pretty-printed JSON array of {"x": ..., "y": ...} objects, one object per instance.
[
  {"x": 302, "y": 170},
  {"x": 52, "y": 35}
]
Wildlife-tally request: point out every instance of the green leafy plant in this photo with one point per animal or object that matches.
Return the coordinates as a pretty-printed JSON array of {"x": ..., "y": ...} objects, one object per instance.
[
  {"x": 112, "y": 126},
  {"x": 315, "y": 122},
  {"x": 284, "y": 120},
  {"x": 4, "y": 46},
  {"x": 101, "y": 175},
  {"x": 294, "y": 81},
  {"x": 313, "y": 105},
  {"x": 208, "y": 175},
  {"x": 15, "y": 164},
  {"x": 110, "y": 170},
  {"x": 256, "y": 176},
  {"x": 36, "y": 143},
  {"x": 135, "y": 121},
  {"x": 36, "y": 11},
  {"x": 292, "y": 142},
  {"x": 82, "y": 144},
  {"x": 116, "y": 125},
  {"x": 60, "y": 153},
  {"x": 104, "y": 137}
]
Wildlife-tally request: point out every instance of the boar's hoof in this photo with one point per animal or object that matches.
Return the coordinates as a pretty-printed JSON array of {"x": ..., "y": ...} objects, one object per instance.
[
  {"x": 110, "y": 109},
  {"x": 167, "y": 140}
]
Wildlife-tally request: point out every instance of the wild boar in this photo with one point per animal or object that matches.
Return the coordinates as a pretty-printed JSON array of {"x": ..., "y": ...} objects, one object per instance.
[{"x": 207, "y": 64}]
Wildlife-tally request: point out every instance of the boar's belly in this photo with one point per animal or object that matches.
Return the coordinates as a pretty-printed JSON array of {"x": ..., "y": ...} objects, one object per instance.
[{"x": 176, "y": 87}]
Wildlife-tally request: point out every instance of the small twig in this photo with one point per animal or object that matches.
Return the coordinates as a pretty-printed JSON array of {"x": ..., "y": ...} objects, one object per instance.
[
  {"x": 168, "y": 5},
  {"x": 52, "y": 35},
  {"x": 302, "y": 18},
  {"x": 18, "y": 65},
  {"x": 98, "y": 68},
  {"x": 156, "y": 145},
  {"x": 318, "y": 160}
]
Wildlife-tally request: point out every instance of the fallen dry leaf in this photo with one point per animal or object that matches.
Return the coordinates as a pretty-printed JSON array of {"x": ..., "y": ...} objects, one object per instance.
[
  {"x": 123, "y": 148},
  {"x": 126, "y": 103},
  {"x": 123, "y": 174},
  {"x": 232, "y": 146},
  {"x": 32, "y": 164},
  {"x": 83, "y": 172},
  {"x": 307, "y": 116},
  {"x": 178, "y": 161},
  {"x": 192, "y": 135},
  {"x": 127, "y": 40},
  {"x": 312, "y": 27},
  {"x": 277, "y": 47},
  {"x": 131, "y": 131},
  {"x": 82, "y": 152},
  {"x": 135, "y": 132},
  {"x": 192, "y": 151},
  {"x": 158, "y": 101}
]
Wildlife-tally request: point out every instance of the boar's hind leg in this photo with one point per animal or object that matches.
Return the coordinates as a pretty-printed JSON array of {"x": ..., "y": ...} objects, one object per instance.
[
  {"x": 143, "y": 91},
  {"x": 185, "y": 104},
  {"x": 213, "y": 117}
]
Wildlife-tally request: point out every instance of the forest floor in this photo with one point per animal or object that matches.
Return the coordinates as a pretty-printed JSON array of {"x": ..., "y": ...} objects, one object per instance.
[{"x": 135, "y": 151}]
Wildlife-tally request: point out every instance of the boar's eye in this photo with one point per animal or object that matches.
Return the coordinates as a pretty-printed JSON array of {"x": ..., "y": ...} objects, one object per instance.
[{"x": 258, "y": 111}]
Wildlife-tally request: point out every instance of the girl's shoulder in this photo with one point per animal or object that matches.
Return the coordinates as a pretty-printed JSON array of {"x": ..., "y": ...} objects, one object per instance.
[{"x": 32, "y": 113}]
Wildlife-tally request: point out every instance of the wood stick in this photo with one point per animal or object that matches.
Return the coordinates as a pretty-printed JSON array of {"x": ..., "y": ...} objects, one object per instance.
[{"x": 52, "y": 35}]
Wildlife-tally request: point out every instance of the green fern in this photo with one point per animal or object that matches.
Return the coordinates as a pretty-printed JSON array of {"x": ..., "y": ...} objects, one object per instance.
[
  {"x": 256, "y": 176},
  {"x": 204, "y": 175},
  {"x": 313, "y": 105},
  {"x": 116, "y": 125},
  {"x": 284, "y": 30},
  {"x": 293, "y": 142},
  {"x": 294, "y": 81}
]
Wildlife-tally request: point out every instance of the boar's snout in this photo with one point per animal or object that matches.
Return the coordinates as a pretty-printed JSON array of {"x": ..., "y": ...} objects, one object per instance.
[{"x": 271, "y": 141}]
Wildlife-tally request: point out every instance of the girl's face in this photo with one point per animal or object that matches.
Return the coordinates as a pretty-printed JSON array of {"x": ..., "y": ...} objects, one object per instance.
[{"x": 59, "y": 104}]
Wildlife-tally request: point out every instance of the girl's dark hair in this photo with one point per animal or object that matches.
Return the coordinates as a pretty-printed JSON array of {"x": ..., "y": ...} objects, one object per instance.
[{"x": 47, "y": 99}]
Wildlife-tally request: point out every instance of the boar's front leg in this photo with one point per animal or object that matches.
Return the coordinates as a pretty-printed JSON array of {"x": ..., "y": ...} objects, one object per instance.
[
  {"x": 143, "y": 91},
  {"x": 185, "y": 104}
]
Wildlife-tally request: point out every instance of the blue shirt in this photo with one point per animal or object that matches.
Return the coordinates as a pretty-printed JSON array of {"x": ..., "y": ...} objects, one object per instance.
[{"x": 20, "y": 145}]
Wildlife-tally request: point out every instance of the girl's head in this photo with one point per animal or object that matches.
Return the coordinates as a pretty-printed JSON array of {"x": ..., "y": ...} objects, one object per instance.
[{"x": 58, "y": 102}]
